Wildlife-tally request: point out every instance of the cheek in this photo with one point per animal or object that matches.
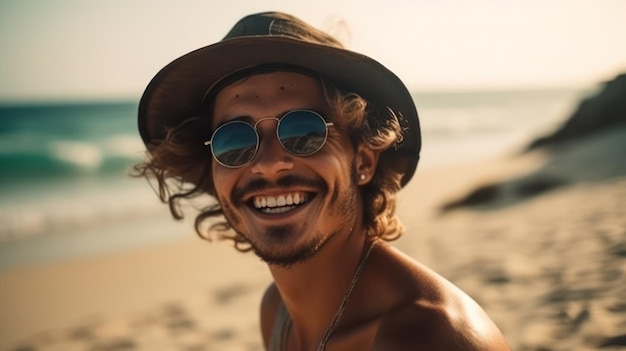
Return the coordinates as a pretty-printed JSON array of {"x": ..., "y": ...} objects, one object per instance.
[
  {"x": 339, "y": 145},
  {"x": 230, "y": 215},
  {"x": 223, "y": 182},
  {"x": 336, "y": 159},
  {"x": 222, "y": 179}
]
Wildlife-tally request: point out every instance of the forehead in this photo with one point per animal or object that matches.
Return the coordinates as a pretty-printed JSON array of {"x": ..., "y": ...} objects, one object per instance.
[{"x": 267, "y": 94}]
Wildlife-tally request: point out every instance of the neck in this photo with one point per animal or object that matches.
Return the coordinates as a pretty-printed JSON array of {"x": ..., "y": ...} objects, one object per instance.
[{"x": 313, "y": 290}]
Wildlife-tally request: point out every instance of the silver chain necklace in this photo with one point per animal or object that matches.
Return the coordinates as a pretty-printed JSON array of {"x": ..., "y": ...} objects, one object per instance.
[{"x": 344, "y": 302}]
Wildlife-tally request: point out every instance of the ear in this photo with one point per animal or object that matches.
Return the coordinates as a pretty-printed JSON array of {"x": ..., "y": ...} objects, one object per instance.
[{"x": 366, "y": 161}]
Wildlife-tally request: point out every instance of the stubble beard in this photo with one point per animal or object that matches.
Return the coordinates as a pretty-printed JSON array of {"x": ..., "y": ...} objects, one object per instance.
[
  {"x": 279, "y": 238},
  {"x": 278, "y": 251},
  {"x": 288, "y": 256}
]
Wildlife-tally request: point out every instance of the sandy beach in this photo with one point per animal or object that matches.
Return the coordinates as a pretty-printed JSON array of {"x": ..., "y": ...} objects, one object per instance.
[{"x": 550, "y": 268}]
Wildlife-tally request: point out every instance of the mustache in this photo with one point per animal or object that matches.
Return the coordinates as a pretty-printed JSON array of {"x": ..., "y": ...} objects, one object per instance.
[{"x": 259, "y": 185}]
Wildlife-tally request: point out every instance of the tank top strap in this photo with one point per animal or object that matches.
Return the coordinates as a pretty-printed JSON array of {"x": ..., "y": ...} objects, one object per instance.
[{"x": 281, "y": 327}]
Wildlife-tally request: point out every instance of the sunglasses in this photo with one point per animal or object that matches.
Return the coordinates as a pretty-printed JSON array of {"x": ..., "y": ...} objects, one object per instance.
[{"x": 300, "y": 132}]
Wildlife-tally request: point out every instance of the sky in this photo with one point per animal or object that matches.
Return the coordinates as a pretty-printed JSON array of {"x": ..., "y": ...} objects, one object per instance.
[{"x": 101, "y": 50}]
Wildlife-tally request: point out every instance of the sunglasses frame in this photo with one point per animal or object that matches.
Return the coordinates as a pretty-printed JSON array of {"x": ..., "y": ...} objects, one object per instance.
[{"x": 258, "y": 137}]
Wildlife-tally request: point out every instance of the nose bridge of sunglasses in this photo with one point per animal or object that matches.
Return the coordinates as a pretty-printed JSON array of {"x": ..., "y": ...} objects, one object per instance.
[
  {"x": 266, "y": 129},
  {"x": 256, "y": 124}
]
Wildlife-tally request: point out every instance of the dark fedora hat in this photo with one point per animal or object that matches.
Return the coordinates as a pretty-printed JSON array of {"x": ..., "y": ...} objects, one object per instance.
[{"x": 177, "y": 92}]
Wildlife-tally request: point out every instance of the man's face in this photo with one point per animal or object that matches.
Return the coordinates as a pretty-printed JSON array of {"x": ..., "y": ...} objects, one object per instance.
[{"x": 319, "y": 193}]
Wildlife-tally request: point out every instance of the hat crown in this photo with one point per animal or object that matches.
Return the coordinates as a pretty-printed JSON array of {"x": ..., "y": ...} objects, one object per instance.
[{"x": 278, "y": 24}]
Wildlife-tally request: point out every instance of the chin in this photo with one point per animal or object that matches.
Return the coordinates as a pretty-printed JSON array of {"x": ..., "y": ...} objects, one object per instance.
[{"x": 284, "y": 249}]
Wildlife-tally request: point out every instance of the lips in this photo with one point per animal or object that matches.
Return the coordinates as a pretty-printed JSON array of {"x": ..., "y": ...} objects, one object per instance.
[{"x": 279, "y": 203}]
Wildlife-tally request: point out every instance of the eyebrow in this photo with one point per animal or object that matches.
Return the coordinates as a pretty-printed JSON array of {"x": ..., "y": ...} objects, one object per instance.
[
  {"x": 244, "y": 118},
  {"x": 248, "y": 119}
]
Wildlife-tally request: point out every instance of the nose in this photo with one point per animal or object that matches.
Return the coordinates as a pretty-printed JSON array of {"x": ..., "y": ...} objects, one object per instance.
[{"x": 271, "y": 158}]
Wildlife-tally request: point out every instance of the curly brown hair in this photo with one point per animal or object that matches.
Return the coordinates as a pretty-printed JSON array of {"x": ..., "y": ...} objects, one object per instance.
[{"x": 181, "y": 165}]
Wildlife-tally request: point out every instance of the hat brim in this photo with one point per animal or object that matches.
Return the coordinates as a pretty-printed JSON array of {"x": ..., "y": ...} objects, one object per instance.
[{"x": 178, "y": 90}]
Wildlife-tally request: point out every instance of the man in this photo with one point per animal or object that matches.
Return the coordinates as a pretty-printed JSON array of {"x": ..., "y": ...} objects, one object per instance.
[{"x": 304, "y": 145}]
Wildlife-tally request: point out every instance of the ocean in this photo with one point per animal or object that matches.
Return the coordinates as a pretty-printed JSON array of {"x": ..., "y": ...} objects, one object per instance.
[{"x": 65, "y": 191}]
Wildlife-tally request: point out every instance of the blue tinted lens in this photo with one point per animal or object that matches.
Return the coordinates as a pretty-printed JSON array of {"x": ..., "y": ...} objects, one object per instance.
[
  {"x": 302, "y": 132},
  {"x": 234, "y": 144}
]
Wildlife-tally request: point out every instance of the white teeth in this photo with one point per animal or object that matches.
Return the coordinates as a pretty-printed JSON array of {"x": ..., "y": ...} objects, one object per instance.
[
  {"x": 271, "y": 202},
  {"x": 280, "y": 203},
  {"x": 276, "y": 210}
]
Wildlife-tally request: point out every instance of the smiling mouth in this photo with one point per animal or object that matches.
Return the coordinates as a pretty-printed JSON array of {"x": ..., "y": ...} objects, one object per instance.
[{"x": 280, "y": 203}]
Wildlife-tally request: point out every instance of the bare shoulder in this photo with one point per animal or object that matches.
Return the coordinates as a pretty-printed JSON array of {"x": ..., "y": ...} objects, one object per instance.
[
  {"x": 427, "y": 312},
  {"x": 454, "y": 325},
  {"x": 269, "y": 309}
]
